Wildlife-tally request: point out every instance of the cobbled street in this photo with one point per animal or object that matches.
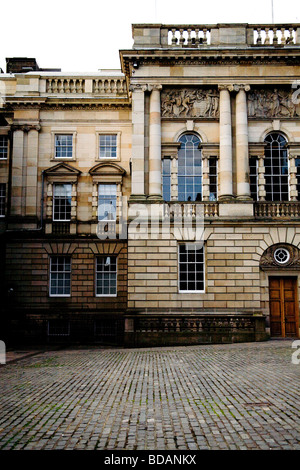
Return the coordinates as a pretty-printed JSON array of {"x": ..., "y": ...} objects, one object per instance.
[{"x": 240, "y": 396}]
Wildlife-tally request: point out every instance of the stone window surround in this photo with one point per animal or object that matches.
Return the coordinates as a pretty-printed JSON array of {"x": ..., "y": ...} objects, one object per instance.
[
  {"x": 97, "y": 152},
  {"x": 63, "y": 131},
  {"x": 170, "y": 150},
  {"x": 258, "y": 150}
]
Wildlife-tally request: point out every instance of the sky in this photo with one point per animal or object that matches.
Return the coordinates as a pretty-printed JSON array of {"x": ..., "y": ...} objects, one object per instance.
[{"x": 86, "y": 35}]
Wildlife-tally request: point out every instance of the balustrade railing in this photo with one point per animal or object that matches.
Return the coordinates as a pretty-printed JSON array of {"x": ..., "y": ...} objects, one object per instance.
[
  {"x": 275, "y": 35},
  {"x": 277, "y": 209},
  {"x": 192, "y": 323},
  {"x": 113, "y": 86},
  {"x": 193, "y": 36},
  {"x": 189, "y": 209},
  {"x": 65, "y": 85}
]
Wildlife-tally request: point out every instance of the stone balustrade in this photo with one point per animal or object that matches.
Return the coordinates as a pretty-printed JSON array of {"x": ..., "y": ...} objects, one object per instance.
[
  {"x": 65, "y": 85},
  {"x": 277, "y": 35},
  {"x": 111, "y": 86},
  {"x": 192, "y": 36},
  {"x": 191, "y": 210},
  {"x": 215, "y": 35},
  {"x": 277, "y": 209}
]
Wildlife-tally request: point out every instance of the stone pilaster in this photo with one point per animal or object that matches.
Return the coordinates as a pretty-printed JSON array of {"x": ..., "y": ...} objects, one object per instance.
[
  {"x": 138, "y": 141},
  {"x": 31, "y": 206},
  {"x": 155, "y": 177},
  {"x": 293, "y": 153}
]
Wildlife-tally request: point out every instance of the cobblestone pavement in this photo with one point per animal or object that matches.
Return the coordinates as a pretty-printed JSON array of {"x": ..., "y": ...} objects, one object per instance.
[{"x": 241, "y": 396}]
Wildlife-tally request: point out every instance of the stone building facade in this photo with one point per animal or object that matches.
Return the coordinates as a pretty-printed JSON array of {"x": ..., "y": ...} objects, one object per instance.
[{"x": 158, "y": 204}]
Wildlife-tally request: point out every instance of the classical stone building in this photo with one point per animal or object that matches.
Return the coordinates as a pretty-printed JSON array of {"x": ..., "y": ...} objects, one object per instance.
[{"x": 158, "y": 204}]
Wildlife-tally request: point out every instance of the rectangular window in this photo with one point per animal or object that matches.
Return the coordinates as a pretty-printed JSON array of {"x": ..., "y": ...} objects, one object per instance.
[
  {"x": 166, "y": 179},
  {"x": 107, "y": 201},
  {"x": 253, "y": 163},
  {"x": 106, "y": 276},
  {"x": 3, "y": 147},
  {"x": 62, "y": 196},
  {"x": 297, "y": 163},
  {"x": 108, "y": 146},
  {"x": 60, "y": 276},
  {"x": 191, "y": 267},
  {"x": 63, "y": 146},
  {"x": 2, "y": 199},
  {"x": 213, "y": 179}
]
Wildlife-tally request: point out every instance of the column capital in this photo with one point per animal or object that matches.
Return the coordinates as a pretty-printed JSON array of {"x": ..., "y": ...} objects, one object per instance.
[
  {"x": 26, "y": 127},
  {"x": 137, "y": 87},
  {"x": 155, "y": 86},
  {"x": 234, "y": 87}
]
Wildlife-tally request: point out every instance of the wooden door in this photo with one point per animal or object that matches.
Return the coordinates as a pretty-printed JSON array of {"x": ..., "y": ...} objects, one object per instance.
[{"x": 284, "y": 310}]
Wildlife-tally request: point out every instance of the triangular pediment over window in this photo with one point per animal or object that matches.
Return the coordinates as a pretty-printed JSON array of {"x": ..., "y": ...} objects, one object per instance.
[
  {"x": 62, "y": 172},
  {"x": 107, "y": 172}
]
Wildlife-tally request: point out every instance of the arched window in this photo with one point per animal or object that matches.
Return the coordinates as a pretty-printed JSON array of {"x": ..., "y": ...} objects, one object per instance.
[
  {"x": 189, "y": 169},
  {"x": 276, "y": 168}
]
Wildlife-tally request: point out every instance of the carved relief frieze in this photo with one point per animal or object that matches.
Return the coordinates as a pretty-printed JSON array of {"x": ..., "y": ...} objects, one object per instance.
[
  {"x": 272, "y": 103},
  {"x": 190, "y": 102}
]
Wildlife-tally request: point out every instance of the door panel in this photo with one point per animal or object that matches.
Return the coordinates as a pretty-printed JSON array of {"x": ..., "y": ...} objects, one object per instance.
[{"x": 283, "y": 306}]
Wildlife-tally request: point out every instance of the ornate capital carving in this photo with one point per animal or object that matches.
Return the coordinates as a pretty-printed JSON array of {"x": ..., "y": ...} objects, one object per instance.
[
  {"x": 137, "y": 87},
  {"x": 154, "y": 87},
  {"x": 26, "y": 127}
]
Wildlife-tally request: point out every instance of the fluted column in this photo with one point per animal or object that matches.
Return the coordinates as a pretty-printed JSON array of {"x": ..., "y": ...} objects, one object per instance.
[
  {"x": 242, "y": 151},
  {"x": 225, "y": 168},
  {"x": 138, "y": 141},
  {"x": 155, "y": 178}
]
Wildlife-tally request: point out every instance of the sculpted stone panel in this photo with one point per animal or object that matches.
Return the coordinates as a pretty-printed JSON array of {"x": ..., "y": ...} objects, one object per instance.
[
  {"x": 190, "y": 102},
  {"x": 269, "y": 260},
  {"x": 272, "y": 103}
]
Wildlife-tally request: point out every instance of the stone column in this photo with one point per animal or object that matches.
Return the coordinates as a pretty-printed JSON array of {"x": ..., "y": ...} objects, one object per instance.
[
  {"x": 242, "y": 152},
  {"x": 155, "y": 190},
  {"x": 225, "y": 168},
  {"x": 138, "y": 142}
]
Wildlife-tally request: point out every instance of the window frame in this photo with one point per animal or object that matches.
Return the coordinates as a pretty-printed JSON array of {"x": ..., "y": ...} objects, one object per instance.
[
  {"x": 4, "y": 136},
  {"x": 186, "y": 174},
  {"x": 116, "y": 199},
  {"x": 3, "y": 200},
  {"x": 51, "y": 272},
  {"x": 203, "y": 269},
  {"x": 53, "y": 202},
  {"x": 97, "y": 258},
  {"x": 104, "y": 133}
]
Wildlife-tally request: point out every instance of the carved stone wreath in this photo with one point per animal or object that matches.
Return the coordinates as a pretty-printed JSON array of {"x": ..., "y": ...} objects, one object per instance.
[{"x": 280, "y": 256}]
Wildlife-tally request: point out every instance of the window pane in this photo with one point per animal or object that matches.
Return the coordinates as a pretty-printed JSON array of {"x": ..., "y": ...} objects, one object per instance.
[
  {"x": 108, "y": 146},
  {"x": 3, "y": 147},
  {"x": 107, "y": 201},
  {"x": 60, "y": 275},
  {"x": 62, "y": 197},
  {"x": 63, "y": 146},
  {"x": 189, "y": 169},
  {"x": 276, "y": 168},
  {"x": 191, "y": 267},
  {"x": 106, "y": 275}
]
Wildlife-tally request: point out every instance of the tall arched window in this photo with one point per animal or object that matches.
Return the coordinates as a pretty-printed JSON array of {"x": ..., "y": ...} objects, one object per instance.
[
  {"x": 189, "y": 169},
  {"x": 276, "y": 168}
]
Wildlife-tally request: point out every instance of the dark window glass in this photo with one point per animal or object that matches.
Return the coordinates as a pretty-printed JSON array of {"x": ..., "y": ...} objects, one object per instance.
[
  {"x": 191, "y": 267},
  {"x": 276, "y": 168},
  {"x": 253, "y": 178},
  {"x": 166, "y": 179},
  {"x": 189, "y": 169}
]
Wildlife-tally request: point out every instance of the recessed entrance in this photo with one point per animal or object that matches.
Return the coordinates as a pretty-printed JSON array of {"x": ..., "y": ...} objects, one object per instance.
[{"x": 284, "y": 310}]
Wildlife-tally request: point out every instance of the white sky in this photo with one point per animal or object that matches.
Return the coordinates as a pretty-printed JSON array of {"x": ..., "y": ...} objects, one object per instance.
[{"x": 86, "y": 35}]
